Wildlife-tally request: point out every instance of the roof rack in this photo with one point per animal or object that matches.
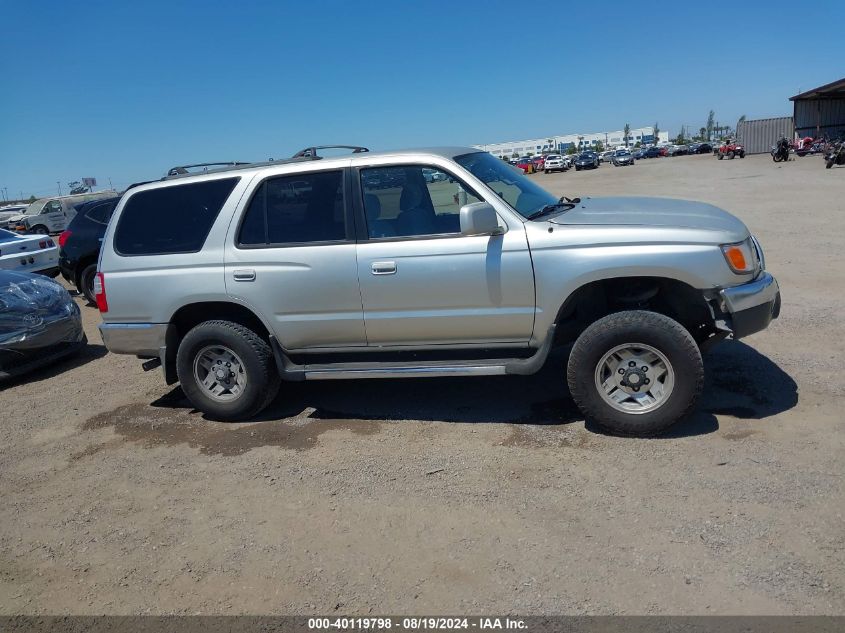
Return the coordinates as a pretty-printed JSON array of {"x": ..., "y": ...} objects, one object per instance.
[
  {"x": 307, "y": 154},
  {"x": 181, "y": 170},
  {"x": 311, "y": 152}
]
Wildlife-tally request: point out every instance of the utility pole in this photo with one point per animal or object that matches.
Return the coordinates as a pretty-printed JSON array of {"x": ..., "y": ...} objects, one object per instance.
[{"x": 59, "y": 185}]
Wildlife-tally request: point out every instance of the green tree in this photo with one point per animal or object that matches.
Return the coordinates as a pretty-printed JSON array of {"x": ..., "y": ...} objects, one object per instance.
[
  {"x": 702, "y": 132},
  {"x": 599, "y": 147},
  {"x": 31, "y": 199},
  {"x": 626, "y": 133},
  {"x": 711, "y": 120},
  {"x": 571, "y": 150}
]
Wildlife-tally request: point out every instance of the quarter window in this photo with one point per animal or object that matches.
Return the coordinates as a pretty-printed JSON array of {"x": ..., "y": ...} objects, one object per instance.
[
  {"x": 296, "y": 209},
  {"x": 101, "y": 213},
  {"x": 174, "y": 219},
  {"x": 406, "y": 201}
]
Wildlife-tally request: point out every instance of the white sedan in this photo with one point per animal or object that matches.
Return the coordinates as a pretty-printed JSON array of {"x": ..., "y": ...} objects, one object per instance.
[{"x": 28, "y": 253}]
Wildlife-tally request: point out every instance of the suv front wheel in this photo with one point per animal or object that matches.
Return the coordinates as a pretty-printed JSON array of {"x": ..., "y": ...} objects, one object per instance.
[
  {"x": 226, "y": 370},
  {"x": 635, "y": 372}
]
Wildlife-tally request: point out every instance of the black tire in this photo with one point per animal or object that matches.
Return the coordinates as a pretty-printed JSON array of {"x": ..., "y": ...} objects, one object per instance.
[
  {"x": 720, "y": 155},
  {"x": 636, "y": 326},
  {"x": 742, "y": 154},
  {"x": 828, "y": 164},
  {"x": 262, "y": 382},
  {"x": 731, "y": 155},
  {"x": 40, "y": 229},
  {"x": 86, "y": 283}
]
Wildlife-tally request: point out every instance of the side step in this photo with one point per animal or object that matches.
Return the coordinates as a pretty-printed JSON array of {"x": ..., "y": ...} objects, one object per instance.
[
  {"x": 430, "y": 369},
  {"x": 416, "y": 369}
]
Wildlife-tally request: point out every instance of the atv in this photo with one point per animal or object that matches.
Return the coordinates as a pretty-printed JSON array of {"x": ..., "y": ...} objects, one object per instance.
[{"x": 730, "y": 149}]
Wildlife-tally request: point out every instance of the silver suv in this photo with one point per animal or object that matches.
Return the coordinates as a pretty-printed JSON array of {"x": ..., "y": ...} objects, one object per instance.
[{"x": 421, "y": 263}]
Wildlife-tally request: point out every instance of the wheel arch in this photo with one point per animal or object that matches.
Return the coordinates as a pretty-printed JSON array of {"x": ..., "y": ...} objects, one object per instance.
[
  {"x": 192, "y": 314},
  {"x": 598, "y": 298}
]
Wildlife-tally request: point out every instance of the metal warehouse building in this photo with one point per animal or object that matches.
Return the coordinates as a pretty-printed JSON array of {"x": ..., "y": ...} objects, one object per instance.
[
  {"x": 821, "y": 111},
  {"x": 758, "y": 136}
]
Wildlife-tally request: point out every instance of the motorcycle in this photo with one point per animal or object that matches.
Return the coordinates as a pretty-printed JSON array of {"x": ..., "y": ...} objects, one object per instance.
[
  {"x": 780, "y": 150},
  {"x": 809, "y": 146},
  {"x": 836, "y": 155}
]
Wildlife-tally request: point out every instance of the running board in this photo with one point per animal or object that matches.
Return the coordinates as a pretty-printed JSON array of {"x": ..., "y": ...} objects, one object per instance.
[
  {"x": 426, "y": 369},
  {"x": 420, "y": 369}
]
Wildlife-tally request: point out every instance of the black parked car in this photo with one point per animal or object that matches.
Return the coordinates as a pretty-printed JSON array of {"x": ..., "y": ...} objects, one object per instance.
[
  {"x": 79, "y": 245},
  {"x": 651, "y": 152},
  {"x": 701, "y": 148},
  {"x": 587, "y": 160},
  {"x": 39, "y": 322}
]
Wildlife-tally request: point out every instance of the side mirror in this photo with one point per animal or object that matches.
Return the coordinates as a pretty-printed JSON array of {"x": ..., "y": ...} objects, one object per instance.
[{"x": 479, "y": 218}]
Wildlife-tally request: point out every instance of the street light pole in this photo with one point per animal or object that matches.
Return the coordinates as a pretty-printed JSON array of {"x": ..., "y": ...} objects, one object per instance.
[{"x": 59, "y": 185}]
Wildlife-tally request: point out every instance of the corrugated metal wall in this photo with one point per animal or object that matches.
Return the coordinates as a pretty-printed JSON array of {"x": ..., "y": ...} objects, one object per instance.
[
  {"x": 758, "y": 136},
  {"x": 820, "y": 117}
]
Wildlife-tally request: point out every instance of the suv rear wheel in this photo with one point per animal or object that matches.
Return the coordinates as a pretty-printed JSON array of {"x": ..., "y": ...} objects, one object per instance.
[
  {"x": 226, "y": 370},
  {"x": 635, "y": 372},
  {"x": 86, "y": 282}
]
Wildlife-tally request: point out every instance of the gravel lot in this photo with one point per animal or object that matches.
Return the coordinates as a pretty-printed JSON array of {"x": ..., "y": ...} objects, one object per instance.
[{"x": 457, "y": 496}]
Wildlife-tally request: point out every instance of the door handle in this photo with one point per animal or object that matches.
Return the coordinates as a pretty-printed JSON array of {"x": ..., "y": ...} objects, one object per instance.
[
  {"x": 384, "y": 268},
  {"x": 244, "y": 274}
]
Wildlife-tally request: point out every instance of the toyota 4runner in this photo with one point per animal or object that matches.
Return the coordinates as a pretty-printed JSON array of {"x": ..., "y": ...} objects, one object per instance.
[{"x": 422, "y": 263}]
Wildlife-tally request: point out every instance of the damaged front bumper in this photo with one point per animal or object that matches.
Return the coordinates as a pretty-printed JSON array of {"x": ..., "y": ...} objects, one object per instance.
[{"x": 750, "y": 307}]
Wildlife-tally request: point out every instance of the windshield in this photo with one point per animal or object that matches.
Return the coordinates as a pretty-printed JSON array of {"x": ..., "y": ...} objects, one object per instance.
[
  {"x": 511, "y": 185},
  {"x": 34, "y": 208},
  {"x": 623, "y": 152}
]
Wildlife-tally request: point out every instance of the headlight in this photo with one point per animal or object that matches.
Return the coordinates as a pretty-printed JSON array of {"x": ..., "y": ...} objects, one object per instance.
[{"x": 741, "y": 257}]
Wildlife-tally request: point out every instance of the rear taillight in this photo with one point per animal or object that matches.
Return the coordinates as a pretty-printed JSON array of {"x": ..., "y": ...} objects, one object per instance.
[
  {"x": 100, "y": 292},
  {"x": 63, "y": 237},
  {"x": 42, "y": 244}
]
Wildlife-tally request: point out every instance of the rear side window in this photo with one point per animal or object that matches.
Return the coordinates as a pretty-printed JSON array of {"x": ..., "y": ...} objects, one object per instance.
[
  {"x": 101, "y": 213},
  {"x": 173, "y": 219},
  {"x": 296, "y": 209}
]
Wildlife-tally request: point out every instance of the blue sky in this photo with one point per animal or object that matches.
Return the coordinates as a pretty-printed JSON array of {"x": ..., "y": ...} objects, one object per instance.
[{"x": 124, "y": 90}]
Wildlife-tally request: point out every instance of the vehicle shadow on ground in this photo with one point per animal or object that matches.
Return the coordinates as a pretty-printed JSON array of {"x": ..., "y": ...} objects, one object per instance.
[
  {"x": 741, "y": 382},
  {"x": 85, "y": 355}
]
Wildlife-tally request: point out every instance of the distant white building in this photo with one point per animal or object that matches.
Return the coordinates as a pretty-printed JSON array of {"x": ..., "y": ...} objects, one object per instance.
[{"x": 562, "y": 143}]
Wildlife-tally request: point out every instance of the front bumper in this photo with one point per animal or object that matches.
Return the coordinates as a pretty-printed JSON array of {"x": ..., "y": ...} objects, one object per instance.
[
  {"x": 140, "y": 339},
  {"x": 751, "y": 306}
]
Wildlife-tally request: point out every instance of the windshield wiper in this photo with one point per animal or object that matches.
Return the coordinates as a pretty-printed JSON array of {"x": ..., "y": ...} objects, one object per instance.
[{"x": 562, "y": 202}]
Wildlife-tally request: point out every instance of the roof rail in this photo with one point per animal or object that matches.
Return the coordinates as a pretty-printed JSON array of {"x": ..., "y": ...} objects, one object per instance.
[
  {"x": 181, "y": 170},
  {"x": 307, "y": 154},
  {"x": 311, "y": 152}
]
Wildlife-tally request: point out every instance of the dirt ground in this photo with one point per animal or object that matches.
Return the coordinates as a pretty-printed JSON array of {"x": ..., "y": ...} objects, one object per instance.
[{"x": 457, "y": 496}]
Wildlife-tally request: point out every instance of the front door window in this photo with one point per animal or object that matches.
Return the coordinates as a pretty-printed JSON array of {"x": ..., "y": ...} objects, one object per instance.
[{"x": 412, "y": 201}]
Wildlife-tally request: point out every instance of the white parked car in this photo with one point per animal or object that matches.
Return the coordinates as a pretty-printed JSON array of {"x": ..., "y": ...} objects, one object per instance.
[
  {"x": 28, "y": 253},
  {"x": 51, "y": 215},
  {"x": 10, "y": 211},
  {"x": 555, "y": 162}
]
